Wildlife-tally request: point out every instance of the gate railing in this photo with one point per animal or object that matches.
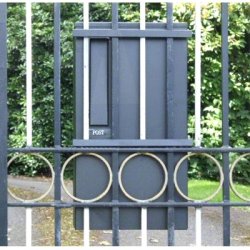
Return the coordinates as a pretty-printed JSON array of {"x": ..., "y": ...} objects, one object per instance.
[{"x": 225, "y": 150}]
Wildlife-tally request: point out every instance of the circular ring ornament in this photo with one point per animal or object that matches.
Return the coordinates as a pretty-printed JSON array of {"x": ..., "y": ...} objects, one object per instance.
[
  {"x": 156, "y": 196},
  {"x": 52, "y": 178},
  {"x": 178, "y": 167},
  {"x": 106, "y": 165},
  {"x": 231, "y": 177}
]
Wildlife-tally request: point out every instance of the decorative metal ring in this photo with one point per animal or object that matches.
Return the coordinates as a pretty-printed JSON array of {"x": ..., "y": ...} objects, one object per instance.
[
  {"x": 51, "y": 184},
  {"x": 163, "y": 186},
  {"x": 106, "y": 165},
  {"x": 231, "y": 177},
  {"x": 178, "y": 167}
]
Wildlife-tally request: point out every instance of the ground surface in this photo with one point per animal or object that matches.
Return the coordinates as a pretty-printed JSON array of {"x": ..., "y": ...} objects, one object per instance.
[{"x": 211, "y": 224}]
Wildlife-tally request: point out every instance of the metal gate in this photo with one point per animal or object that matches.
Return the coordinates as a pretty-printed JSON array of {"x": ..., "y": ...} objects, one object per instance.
[{"x": 97, "y": 121}]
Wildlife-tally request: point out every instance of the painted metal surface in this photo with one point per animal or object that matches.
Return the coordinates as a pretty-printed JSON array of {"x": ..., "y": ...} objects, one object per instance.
[{"x": 127, "y": 110}]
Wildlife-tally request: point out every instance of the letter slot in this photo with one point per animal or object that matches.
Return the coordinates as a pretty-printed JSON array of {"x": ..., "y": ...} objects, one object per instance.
[{"x": 99, "y": 82}]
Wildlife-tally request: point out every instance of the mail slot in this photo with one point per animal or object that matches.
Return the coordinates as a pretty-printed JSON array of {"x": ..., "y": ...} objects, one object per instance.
[
  {"x": 115, "y": 120},
  {"x": 99, "y": 83}
]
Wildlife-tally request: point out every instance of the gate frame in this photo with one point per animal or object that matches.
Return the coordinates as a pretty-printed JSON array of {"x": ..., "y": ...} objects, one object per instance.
[{"x": 57, "y": 150}]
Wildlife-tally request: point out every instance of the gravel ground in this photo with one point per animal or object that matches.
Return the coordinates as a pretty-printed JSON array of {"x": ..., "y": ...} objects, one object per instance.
[{"x": 211, "y": 224}]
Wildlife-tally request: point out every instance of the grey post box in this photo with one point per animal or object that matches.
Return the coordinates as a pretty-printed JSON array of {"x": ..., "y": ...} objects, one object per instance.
[{"x": 115, "y": 118}]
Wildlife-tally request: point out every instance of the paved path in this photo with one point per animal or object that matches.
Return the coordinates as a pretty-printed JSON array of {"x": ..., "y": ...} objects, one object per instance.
[
  {"x": 211, "y": 225},
  {"x": 16, "y": 226},
  {"x": 16, "y": 222}
]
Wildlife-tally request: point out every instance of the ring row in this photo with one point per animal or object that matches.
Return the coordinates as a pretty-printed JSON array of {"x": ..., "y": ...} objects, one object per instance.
[{"x": 125, "y": 161}]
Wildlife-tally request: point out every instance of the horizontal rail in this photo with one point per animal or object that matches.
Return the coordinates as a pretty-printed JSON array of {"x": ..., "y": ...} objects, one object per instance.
[
  {"x": 132, "y": 33},
  {"x": 131, "y": 149},
  {"x": 129, "y": 204},
  {"x": 133, "y": 143},
  {"x": 131, "y": 25}
]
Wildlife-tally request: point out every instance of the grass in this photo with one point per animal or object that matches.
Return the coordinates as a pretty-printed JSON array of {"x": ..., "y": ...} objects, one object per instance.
[{"x": 200, "y": 189}]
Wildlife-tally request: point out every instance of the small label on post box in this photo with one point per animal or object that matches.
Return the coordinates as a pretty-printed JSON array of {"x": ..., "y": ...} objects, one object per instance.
[
  {"x": 98, "y": 132},
  {"x": 103, "y": 133}
]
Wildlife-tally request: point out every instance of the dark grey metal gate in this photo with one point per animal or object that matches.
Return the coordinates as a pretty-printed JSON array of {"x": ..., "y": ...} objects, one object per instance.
[
  {"x": 115, "y": 115},
  {"x": 119, "y": 141}
]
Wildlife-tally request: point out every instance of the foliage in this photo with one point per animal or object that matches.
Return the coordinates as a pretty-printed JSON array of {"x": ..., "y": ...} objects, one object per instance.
[{"x": 43, "y": 99}]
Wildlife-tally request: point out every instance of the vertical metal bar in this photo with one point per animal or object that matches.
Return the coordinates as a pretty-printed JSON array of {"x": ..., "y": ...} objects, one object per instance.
[
  {"x": 144, "y": 226},
  {"x": 86, "y": 213},
  {"x": 198, "y": 226},
  {"x": 115, "y": 124},
  {"x": 225, "y": 122},
  {"x": 142, "y": 73},
  {"x": 225, "y": 73},
  {"x": 29, "y": 105},
  {"x": 197, "y": 108},
  {"x": 86, "y": 75},
  {"x": 57, "y": 118},
  {"x": 171, "y": 210},
  {"x": 144, "y": 214},
  {"x": 29, "y": 73},
  {"x": 86, "y": 227},
  {"x": 170, "y": 124},
  {"x": 3, "y": 126},
  {"x": 197, "y": 74}
]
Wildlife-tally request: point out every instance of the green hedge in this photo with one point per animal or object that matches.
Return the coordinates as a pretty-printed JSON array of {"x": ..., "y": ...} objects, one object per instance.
[{"x": 239, "y": 53}]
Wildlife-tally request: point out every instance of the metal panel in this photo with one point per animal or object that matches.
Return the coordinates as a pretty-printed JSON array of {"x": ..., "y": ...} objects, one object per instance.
[
  {"x": 92, "y": 177},
  {"x": 128, "y": 95},
  {"x": 127, "y": 119},
  {"x": 99, "y": 82}
]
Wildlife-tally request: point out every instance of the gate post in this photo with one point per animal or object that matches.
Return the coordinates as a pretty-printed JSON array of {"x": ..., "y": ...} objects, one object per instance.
[{"x": 3, "y": 126}]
